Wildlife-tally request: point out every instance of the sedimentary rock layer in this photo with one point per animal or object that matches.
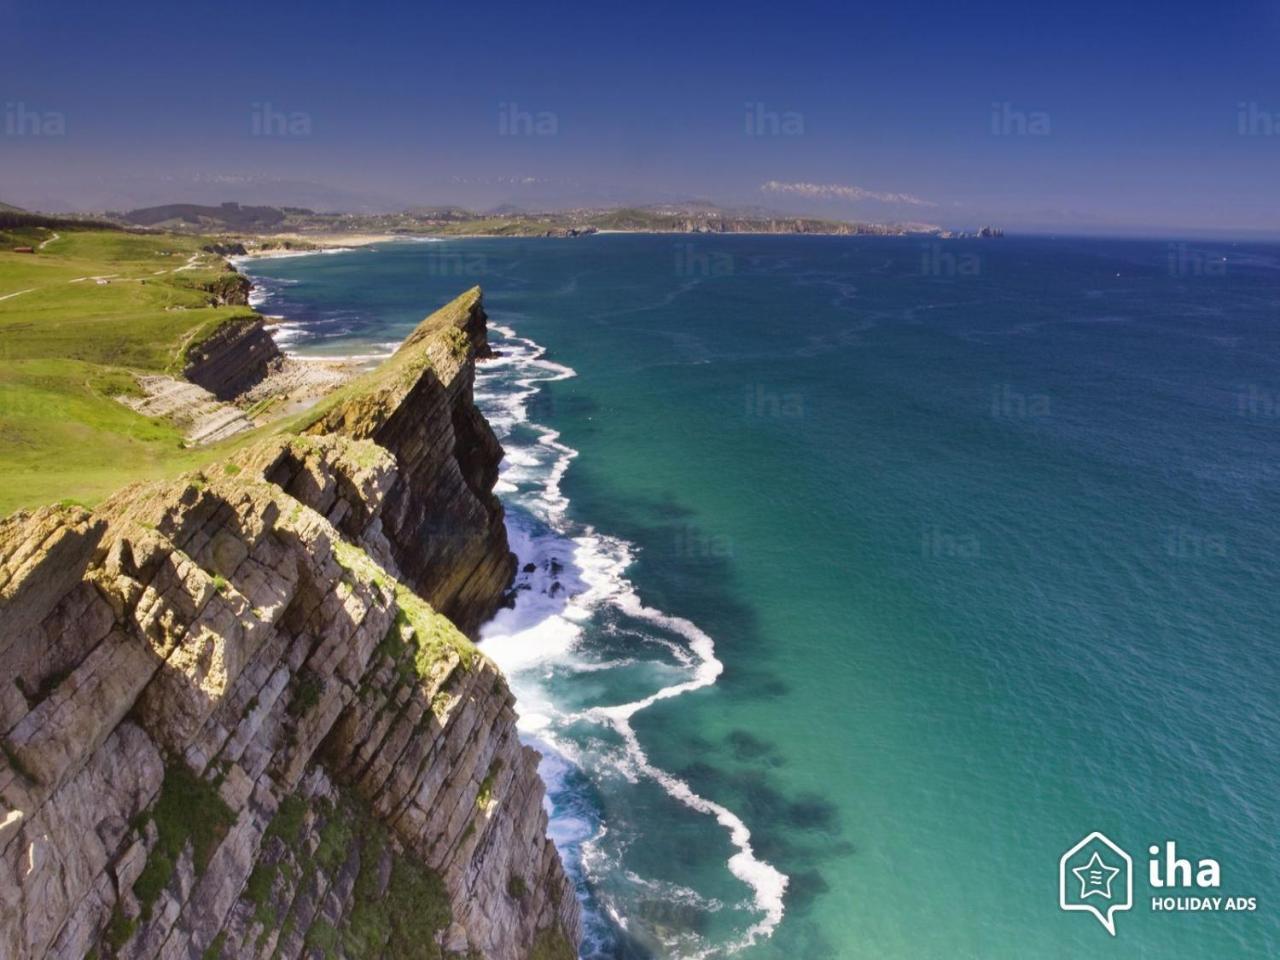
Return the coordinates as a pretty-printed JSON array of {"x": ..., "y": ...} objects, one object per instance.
[
  {"x": 233, "y": 358},
  {"x": 441, "y": 519}
]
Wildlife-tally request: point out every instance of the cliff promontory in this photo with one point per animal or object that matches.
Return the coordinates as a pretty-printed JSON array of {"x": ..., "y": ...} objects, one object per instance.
[
  {"x": 442, "y": 522},
  {"x": 238, "y": 715}
]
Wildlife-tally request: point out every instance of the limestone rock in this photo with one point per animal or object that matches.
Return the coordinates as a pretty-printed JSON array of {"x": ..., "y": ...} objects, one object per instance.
[
  {"x": 441, "y": 518},
  {"x": 235, "y": 356}
]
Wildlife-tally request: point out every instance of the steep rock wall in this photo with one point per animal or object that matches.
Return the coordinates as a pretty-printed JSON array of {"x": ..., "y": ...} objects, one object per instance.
[
  {"x": 420, "y": 407},
  {"x": 234, "y": 358}
]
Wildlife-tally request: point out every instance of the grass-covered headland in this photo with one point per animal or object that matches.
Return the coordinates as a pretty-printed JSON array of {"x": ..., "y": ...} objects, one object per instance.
[{"x": 82, "y": 315}]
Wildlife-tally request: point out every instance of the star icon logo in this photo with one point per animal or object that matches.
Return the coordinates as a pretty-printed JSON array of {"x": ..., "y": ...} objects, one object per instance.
[
  {"x": 1110, "y": 880},
  {"x": 1095, "y": 877}
]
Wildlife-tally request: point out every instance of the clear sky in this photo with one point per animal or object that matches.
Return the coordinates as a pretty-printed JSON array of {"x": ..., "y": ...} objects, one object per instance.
[{"x": 1058, "y": 116}]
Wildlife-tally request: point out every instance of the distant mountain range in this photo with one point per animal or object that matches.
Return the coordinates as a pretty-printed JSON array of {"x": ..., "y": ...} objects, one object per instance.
[
  {"x": 202, "y": 219},
  {"x": 507, "y": 220}
]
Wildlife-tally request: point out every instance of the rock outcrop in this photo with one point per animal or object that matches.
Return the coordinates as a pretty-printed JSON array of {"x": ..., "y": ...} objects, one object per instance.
[
  {"x": 235, "y": 726},
  {"x": 235, "y": 357},
  {"x": 441, "y": 519},
  {"x": 202, "y": 416}
]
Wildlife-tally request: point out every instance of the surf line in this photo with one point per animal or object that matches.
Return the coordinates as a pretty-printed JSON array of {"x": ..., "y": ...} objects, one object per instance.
[{"x": 767, "y": 883}]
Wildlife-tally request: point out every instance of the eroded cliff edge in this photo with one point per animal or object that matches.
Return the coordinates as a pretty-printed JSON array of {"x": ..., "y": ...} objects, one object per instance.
[{"x": 236, "y": 719}]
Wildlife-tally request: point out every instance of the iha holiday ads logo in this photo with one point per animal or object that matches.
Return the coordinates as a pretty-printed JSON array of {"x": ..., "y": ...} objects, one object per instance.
[{"x": 1096, "y": 876}]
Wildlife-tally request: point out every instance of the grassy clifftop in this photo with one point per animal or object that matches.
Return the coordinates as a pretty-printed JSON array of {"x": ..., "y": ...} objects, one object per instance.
[
  {"x": 79, "y": 317},
  {"x": 262, "y": 680},
  {"x": 88, "y": 311},
  {"x": 359, "y": 408}
]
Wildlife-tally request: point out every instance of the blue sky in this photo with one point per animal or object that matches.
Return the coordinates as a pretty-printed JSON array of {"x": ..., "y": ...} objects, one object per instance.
[{"x": 1083, "y": 116}]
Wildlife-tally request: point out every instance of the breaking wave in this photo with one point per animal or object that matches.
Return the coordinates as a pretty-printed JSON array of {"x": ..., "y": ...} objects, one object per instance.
[{"x": 571, "y": 578}]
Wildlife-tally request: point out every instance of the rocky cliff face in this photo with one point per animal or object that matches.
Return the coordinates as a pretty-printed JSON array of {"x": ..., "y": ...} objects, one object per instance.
[
  {"x": 441, "y": 520},
  {"x": 233, "y": 723},
  {"x": 237, "y": 356}
]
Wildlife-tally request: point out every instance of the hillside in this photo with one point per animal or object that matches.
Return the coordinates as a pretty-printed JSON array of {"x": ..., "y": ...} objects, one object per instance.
[
  {"x": 227, "y": 216},
  {"x": 505, "y": 221},
  {"x": 80, "y": 319}
]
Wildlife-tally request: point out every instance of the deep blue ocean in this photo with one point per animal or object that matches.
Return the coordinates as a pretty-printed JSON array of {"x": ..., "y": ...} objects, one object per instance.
[{"x": 863, "y": 577}]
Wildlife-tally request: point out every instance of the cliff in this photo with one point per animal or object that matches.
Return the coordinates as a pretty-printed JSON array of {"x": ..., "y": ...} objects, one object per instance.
[
  {"x": 235, "y": 723},
  {"x": 234, "y": 357},
  {"x": 442, "y": 521}
]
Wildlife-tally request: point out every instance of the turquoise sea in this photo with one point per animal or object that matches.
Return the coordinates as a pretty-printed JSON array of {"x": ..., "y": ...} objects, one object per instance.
[{"x": 863, "y": 577}]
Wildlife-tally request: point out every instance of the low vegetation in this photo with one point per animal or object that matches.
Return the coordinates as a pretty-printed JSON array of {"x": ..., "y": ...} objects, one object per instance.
[
  {"x": 80, "y": 317},
  {"x": 87, "y": 311},
  {"x": 552, "y": 944},
  {"x": 395, "y": 913},
  {"x": 286, "y": 826},
  {"x": 189, "y": 811},
  {"x": 419, "y": 635}
]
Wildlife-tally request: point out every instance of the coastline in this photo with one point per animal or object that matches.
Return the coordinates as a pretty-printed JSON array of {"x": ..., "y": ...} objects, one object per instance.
[
  {"x": 545, "y": 625},
  {"x": 547, "y": 629},
  {"x": 322, "y": 243},
  {"x": 340, "y": 637}
]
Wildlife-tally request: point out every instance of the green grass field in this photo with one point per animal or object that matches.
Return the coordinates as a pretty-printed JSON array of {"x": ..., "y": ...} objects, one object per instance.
[{"x": 69, "y": 345}]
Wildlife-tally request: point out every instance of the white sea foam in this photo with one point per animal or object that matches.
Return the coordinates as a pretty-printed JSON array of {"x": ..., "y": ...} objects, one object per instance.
[
  {"x": 286, "y": 333},
  {"x": 567, "y": 575},
  {"x": 263, "y": 289},
  {"x": 575, "y": 574}
]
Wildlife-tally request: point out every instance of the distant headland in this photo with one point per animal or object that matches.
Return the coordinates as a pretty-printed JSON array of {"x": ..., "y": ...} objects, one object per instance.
[{"x": 300, "y": 227}]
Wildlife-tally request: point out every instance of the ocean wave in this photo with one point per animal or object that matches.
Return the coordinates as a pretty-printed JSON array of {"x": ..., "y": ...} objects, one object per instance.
[
  {"x": 568, "y": 574},
  {"x": 266, "y": 289}
]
